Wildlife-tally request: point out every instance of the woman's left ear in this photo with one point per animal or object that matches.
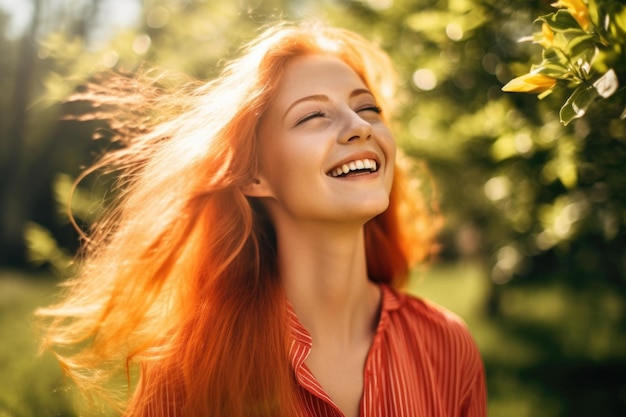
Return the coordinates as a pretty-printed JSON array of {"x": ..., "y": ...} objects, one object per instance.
[{"x": 257, "y": 188}]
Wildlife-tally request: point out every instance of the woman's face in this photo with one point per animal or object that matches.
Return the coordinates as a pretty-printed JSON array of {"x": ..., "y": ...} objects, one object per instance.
[{"x": 326, "y": 154}]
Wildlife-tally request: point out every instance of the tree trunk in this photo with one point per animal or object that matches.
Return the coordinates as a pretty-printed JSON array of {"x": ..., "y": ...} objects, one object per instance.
[{"x": 13, "y": 197}]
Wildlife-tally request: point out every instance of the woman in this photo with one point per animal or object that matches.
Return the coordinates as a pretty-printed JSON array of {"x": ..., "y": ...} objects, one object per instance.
[{"x": 251, "y": 264}]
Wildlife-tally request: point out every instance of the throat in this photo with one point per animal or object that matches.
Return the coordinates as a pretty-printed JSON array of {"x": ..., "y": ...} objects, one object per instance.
[
  {"x": 339, "y": 370},
  {"x": 343, "y": 324}
]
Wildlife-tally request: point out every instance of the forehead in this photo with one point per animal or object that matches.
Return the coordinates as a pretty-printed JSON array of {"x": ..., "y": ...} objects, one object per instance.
[{"x": 315, "y": 74}]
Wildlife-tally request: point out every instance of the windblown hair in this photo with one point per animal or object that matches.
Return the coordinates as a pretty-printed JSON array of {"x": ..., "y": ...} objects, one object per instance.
[{"x": 179, "y": 278}]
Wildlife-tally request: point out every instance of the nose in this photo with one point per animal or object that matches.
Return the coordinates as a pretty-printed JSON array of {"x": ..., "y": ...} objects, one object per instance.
[{"x": 355, "y": 128}]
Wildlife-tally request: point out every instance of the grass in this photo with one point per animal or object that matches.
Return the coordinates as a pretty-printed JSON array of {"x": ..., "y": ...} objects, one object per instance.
[{"x": 31, "y": 384}]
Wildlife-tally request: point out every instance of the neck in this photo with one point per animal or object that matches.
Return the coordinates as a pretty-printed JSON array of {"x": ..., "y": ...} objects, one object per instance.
[{"x": 324, "y": 273}]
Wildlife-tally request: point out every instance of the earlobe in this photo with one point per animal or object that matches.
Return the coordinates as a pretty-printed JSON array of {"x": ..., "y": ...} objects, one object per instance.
[{"x": 257, "y": 188}]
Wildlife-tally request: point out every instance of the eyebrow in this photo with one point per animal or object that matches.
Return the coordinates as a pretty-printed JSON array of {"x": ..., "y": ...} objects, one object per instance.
[{"x": 323, "y": 97}]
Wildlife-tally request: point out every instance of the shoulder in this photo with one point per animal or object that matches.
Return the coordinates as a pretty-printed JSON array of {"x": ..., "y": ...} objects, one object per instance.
[
  {"x": 435, "y": 328},
  {"x": 431, "y": 340},
  {"x": 431, "y": 314}
]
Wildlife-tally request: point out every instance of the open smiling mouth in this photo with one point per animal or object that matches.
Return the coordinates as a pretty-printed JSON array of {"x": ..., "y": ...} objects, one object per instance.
[{"x": 359, "y": 166}]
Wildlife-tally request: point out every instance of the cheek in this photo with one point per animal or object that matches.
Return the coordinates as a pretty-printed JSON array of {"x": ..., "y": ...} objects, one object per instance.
[
  {"x": 296, "y": 151},
  {"x": 287, "y": 165},
  {"x": 388, "y": 145},
  {"x": 388, "y": 140}
]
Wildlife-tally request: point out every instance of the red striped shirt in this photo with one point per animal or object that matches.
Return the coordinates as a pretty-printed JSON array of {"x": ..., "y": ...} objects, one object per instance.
[{"x": 423, "y": 362}]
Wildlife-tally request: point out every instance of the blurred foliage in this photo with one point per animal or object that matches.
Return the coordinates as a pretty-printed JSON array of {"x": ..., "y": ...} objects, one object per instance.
[
  {"x": 540, "y": 206},
  {"x": 31, "y": 385},
  {"x": 583, "y": 51}
]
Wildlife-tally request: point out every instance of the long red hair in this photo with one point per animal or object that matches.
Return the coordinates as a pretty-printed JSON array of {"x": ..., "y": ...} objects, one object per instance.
[{"x": 179, "y": 278}]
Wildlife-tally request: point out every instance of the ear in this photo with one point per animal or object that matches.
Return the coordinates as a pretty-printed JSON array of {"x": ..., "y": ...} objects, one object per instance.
[{"x": 259, "y": 187}]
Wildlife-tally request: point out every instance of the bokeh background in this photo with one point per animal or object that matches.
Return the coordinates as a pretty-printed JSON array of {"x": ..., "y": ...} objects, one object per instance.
[{"x": 533, "y": 253}]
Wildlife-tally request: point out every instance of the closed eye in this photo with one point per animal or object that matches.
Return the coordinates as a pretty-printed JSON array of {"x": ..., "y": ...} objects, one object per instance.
[
  {"x": 374, "y": 109},
  {"x": 311, "y": 116}
]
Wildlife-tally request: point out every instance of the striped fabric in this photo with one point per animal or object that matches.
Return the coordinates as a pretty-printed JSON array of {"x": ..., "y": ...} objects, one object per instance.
[{"x": 422, "y": 363}]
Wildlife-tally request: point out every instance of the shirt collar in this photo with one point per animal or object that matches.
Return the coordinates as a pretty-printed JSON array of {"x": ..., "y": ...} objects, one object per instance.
[{"x": 301, "y": 341}]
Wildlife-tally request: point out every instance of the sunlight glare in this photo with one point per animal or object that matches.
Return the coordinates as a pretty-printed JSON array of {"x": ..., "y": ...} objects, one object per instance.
[
  {"x": 425, "y": 79},
  {"x": 454, "y": 31},
  {"x": 141, "y": 44}
]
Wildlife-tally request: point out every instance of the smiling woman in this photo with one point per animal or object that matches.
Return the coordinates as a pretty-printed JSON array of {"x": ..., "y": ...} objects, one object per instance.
[
  {"x": 253, "y": 261},
  {"x": 313, "y": 129}
]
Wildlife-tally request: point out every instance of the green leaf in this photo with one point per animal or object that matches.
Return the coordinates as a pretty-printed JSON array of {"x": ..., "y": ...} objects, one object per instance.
[
  {"x": 560, "y": 21},
  {"x": 582, "y": 46},
  {"x": 552, "y": 70},
  {"x": 620, "y": 23},
  {"x": 577, "y": 104},
  {"x": 556, "y": 57},
  {"x": 596, "y": 14}
]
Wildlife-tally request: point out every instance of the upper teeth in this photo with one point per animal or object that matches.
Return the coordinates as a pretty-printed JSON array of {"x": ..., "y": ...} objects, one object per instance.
[{"x": 354, "y": 166}]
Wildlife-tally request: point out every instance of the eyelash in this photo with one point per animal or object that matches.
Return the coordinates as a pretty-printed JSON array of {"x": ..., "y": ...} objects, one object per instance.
[
  {"x": 318, "y": 113},
  {"x": 375, "y": 109},
  {"x": 311, "y": 116}
]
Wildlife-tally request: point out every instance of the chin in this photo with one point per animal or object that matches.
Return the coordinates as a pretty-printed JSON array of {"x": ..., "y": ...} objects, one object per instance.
[{"x": 367, "y": 210}]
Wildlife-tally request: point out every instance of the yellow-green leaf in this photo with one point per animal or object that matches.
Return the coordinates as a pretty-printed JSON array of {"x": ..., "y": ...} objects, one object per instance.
[{"x": 577, "y": 104}]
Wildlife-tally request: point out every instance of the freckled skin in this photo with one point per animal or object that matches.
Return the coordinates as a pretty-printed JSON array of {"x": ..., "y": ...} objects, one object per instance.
[{"x": 321, "y": 116}]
